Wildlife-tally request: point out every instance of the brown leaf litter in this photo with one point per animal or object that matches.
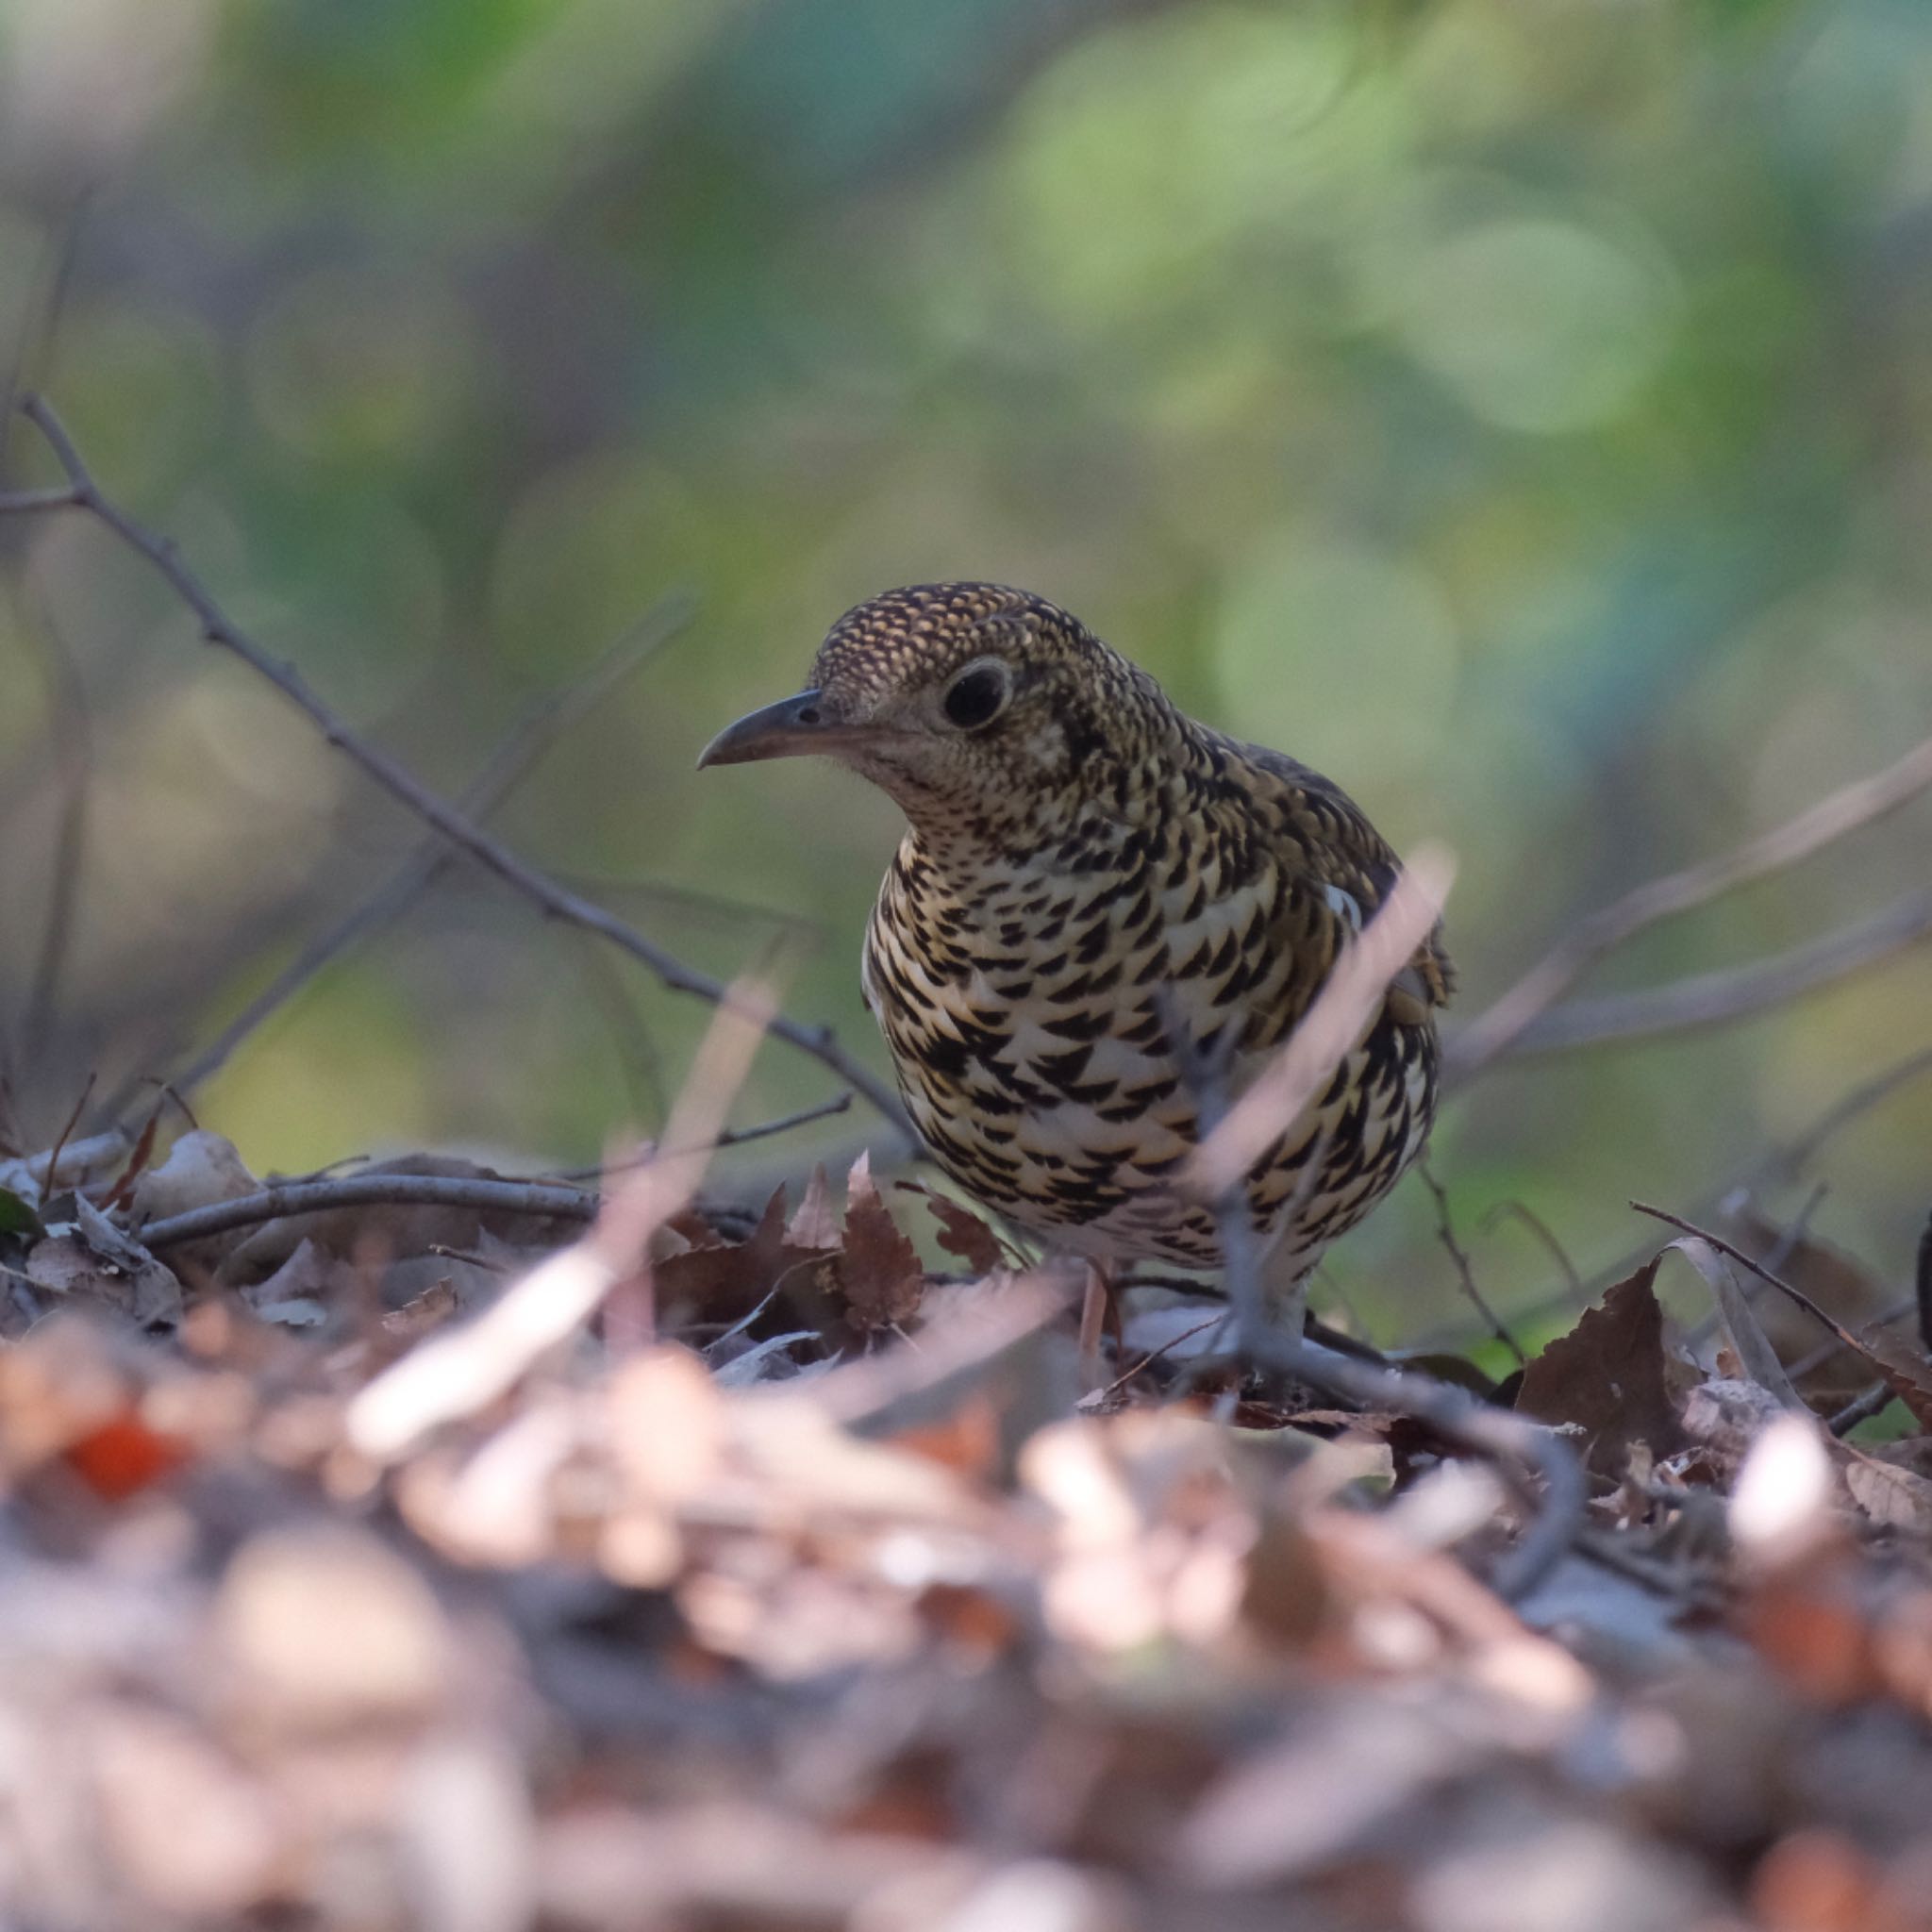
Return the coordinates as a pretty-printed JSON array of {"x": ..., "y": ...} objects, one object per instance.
[{"x": 771, "y": 1621}]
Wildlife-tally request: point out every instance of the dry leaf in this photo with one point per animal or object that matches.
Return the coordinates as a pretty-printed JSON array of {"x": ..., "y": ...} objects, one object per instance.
[
  {"x": 70, "y": 1266},
  {"x": 816, "y": 1223},
  {"x": 1609, "y": 1375},
  {"x": 1893, "y": 1497},
  {"x": 879, "y": 1273},
  {"x": 725, "y": 1280},
  {"x": 961, "y": 1231},
  {"x": 201, "y": 1169}
]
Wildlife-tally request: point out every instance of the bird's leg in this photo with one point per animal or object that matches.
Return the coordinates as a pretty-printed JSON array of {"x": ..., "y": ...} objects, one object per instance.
[
  {"x": 1291, "y": 1306},
  {"x": 1096, "y": 1307}
]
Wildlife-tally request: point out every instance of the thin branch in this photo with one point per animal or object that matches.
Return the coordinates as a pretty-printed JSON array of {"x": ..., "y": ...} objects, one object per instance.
[
  {"x": 1795, "y": 1156},
  {"x": 73, "y": 1120},
  {"x": 1783, "y": 1163},
  {"x": 20, "y": 503},
  {"x": 1465, "y": 1274},
  {"x": 70, "y": 729},
  {"x": 1714, "y": 999},
  {"x": 367, "y": 1190},
  {"x": 1501, "y": 1028},
  {"x": 1282, "y": 1092},
  {"x": 1857, "y": 1344},
  {"x": 730, "y": 1137},
  {"x": 1825, "y": 1350},
  {"x": 1922, "y": 1287},
  {"x": 513, "y": 760},
  {"x": 541, "y": 889},
  {"x": 1523, "y": 1211},
  {"x": 553, "y": 1194},
  {"x": 1523, "y": 1450},
  {"x": 1774, "y": 1258},
  {"x": 1861, "y": 1409}
]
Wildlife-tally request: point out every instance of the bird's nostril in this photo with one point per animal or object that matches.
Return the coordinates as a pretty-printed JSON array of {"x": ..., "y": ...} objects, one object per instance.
[{"x": 809, "y": 715}]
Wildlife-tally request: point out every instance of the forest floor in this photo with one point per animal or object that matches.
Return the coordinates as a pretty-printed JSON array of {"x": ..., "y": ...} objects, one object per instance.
[{"x": 450, "y": 1559}]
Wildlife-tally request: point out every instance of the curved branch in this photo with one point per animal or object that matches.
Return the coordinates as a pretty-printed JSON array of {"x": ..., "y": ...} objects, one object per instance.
[
  {"x": 461, "y": 831},
  {"x": 1713, "y": 999},
  {"x": 1506, "y": 1024}
]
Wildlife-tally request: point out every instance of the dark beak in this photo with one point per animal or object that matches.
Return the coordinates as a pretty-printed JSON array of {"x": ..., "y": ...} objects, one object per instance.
[{"x": 787, "y": 729}]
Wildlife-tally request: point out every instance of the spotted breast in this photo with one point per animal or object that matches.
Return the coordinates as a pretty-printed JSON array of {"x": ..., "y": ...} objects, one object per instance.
[{"x": 1085, "y": 871}]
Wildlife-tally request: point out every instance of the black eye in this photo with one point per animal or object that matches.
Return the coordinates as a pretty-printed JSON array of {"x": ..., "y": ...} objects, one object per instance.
[{"x": 976, "y": 695}]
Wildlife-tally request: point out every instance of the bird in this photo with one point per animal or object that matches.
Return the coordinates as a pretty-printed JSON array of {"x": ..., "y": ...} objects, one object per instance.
[{"x": 1097, "y": 896}]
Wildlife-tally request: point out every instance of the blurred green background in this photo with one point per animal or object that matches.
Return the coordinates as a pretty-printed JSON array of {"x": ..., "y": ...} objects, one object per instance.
[{"x": 1518, "y": 409}]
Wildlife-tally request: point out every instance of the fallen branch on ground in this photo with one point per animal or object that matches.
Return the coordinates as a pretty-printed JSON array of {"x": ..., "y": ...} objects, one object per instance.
[{"x": 461, "y": 1371}]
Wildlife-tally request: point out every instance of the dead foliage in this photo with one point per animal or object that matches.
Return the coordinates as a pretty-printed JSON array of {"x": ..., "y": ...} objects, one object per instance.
[{"x": 817, "y": 1604}]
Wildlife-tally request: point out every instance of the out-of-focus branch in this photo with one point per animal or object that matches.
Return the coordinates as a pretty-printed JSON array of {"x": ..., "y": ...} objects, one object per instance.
[
  {"x": 457, "y": 1372},
  {"x": 72, "y": 734},
  {"x": 20, "y": 503},
  {"x": 1503, "y": 1028},
  {"x": 1283, "y": 1090},
  {"x": 369, "y": 1190},
  {"x": 1797, "y": 1155},
  {"x": 512, "y": 762},
  {"x": 1713, "y": 999},
  {"x": 1523, "y": 1449},
  {"x": 542, "y": 891}
]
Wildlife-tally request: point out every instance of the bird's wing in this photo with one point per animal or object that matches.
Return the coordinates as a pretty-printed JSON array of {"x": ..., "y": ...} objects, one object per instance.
[{"x": 1338, "y": 870}]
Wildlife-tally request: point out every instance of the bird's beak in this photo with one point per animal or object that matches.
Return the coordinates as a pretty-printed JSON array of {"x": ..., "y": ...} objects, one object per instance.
[{"x": 787, "y": 729}]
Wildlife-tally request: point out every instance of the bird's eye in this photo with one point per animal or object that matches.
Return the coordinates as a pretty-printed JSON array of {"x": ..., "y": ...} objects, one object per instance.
[{"x": 976, "y": 696}]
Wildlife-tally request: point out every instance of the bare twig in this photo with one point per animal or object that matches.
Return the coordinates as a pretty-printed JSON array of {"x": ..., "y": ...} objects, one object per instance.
[
  {"x": 1797, "y": 1154},
  {"x": 1782, "y": 1163},
  {"x": 553, "y": 1194},
  {"x": 1921, "y": 1286},
  {"x": 541, "y": 889},
  {"x": 369, "y": 1190},
  {"x": 457, "y": 1372},
  {"x": 1520, "y": 1448},
  {"x": 1523, "y": 1450},
  {"x": 1523, "y": 1211},
  {"x": 1795, "y": 1295},
  {"x": 511, "y": 763},
  {"x": 1892, "y": 1311},
  {"x": 730, "y": 1137},
  {"x": 1773, "y": 1259},
  {"x": 1504, "y": 1025},
  {"x": 20, "y": 503},
  {"x": 73, "y": 1120},
  {"x": 1459, "y": 1256},
  {"x": 1714, "y": 999},
  {"x": 71, "y": 732},
  {"x": 1860, "y": 1408},
  {"x": 1749, "y": 1342}
]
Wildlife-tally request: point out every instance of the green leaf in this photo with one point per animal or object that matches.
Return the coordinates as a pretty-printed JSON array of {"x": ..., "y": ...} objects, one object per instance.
[{"x": 16, "y": 1216}]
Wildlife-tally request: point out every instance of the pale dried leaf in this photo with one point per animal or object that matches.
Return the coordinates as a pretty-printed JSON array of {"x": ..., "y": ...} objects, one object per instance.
[
  {"x": 816, "y": 1223},
  {"x": 879, "y": 1275}
]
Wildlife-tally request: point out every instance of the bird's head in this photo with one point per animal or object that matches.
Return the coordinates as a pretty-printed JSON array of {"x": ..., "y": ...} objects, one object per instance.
[{"x": 972, "y": 705}]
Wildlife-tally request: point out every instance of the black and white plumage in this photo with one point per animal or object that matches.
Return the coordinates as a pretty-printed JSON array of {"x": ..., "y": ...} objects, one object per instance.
[{"x": 1084, "y": 869}]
